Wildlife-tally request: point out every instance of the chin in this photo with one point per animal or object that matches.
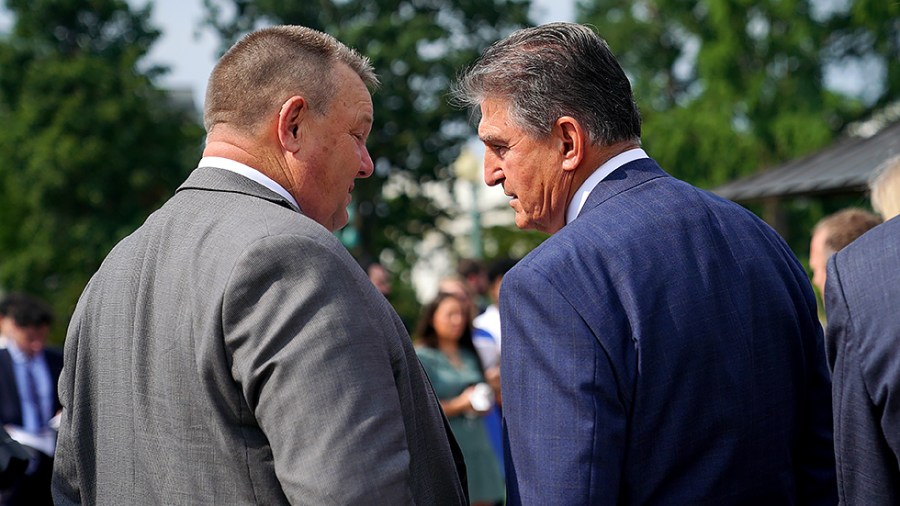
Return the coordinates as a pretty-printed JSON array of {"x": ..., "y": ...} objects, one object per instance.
[{"x": 340, "y": 222}]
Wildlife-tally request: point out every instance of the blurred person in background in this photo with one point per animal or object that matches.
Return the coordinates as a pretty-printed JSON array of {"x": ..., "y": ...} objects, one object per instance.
[
  {"x": 380, "y": 278},
  {"x": 474, "y": 274},
  {"x": 831, "y": 234},
  {"x": 457, "y": 286},
  {"x": 486, "y": 337},
  {"x": 29, "y": 371},
  {"x": 444, "y": 346},
  {"x": 885, "y": 189},
  {"x": 487, "y": 324}
]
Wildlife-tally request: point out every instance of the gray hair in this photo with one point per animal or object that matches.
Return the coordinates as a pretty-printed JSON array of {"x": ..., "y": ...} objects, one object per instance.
[
  {"x": 885, "y": 188},
  {"x": 550, "y": 71},
  {"x": 266, "y": 67}
]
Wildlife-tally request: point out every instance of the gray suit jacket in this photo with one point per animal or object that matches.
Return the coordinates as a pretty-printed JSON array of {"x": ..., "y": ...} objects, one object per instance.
[
  {"x": 863, "y": 346},
  {"x": 230, "y": 351}
]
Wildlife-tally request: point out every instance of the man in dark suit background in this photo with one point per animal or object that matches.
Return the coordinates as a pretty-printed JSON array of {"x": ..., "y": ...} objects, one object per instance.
[
  {"x": 28, "y": 399},
  {"x": 230, "y": 350},
  {"x": 662, "y": 347},
  {"x": 863, "y": 346}
]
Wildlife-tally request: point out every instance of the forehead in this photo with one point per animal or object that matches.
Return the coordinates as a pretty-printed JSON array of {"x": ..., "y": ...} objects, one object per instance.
[
  {"x": 449, "y": 304},
  {"x": 495, "y": 118},
  {"x": 352, "y": 95}
]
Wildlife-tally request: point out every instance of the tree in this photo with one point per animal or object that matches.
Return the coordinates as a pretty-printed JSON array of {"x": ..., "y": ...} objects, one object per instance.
[
  {"x": 729, "y": 86},
  {"x": 89, "y": 145}
]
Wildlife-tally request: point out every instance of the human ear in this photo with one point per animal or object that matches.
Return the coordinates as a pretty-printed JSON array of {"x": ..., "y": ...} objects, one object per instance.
[
  {"x": 572, "y": 141},
  {"x": 291, "y": 115}
]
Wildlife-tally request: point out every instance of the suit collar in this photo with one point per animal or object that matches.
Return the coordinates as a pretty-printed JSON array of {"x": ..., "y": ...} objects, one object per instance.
[
  {"x": 607, "y": 168},
  {"x": 215, "y": 179},
  {"x": 622, "y": 179}
]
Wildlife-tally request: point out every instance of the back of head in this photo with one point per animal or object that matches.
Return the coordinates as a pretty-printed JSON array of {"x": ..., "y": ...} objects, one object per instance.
[
  {"x": 845, "y": 226},
  {"x": 885, "y": 189},
  {"x": 267, "y": 67},
  {"x": 26, "y": 310},
  {"x": 551, "y": 71},
  {"x": 499, "y": 268},
  {"x": 469, "y": 266}
]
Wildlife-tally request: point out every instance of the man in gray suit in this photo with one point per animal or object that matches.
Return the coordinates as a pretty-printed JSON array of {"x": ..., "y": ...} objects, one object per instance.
[
  {"x": 862, "y": 339},
  {"x": 230, "y": 351}
]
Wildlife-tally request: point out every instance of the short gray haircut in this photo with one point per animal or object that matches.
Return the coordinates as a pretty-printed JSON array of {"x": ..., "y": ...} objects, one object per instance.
[
  {"x": 267, "y": 67},
  {"x": 550, "y": 71}
]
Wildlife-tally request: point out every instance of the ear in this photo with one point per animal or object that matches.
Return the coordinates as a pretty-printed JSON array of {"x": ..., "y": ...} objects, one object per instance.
[
  {"x": 292, "y": 113},
  {"x": 572, "y": 140}
]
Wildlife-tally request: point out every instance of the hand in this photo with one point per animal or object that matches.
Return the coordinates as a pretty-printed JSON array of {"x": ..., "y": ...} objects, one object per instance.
[{"x": 459, "y": 405}]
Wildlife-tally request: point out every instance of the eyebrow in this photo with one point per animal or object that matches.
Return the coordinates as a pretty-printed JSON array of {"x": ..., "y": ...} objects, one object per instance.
[{"x": 491, "y": 139}]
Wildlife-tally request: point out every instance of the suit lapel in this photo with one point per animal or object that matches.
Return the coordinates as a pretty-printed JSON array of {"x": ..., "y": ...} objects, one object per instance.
[
  {"x": 10, "y": 407},
  {"x": 213, "y": 179},
  {"x": 624, "y": 178}
]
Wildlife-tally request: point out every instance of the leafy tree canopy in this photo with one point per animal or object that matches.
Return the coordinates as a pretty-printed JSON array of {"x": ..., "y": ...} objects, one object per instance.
[
  {"x": 728, "y": 86},
  {"x": 89, "y": 146}
]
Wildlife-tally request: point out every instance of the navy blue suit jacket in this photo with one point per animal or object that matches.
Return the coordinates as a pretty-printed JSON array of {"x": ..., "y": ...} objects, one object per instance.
[
  {"x": 10, "y": 406},
  {"x": 863, "y": 337},
  {"x": 664, "y": 348}
]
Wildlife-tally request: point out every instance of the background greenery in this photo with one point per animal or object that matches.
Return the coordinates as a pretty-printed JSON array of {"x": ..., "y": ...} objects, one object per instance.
[{"x": 90, "y": 145}]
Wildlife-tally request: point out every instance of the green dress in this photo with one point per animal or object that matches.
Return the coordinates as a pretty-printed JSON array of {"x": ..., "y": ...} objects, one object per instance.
[{"x": 485, "y": 480}]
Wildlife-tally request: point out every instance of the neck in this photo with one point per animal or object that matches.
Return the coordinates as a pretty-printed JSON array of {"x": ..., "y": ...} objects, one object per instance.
[
  {"x": 595, "y": 156},
  {"x": 226, "y": 142},
  {"x": 448, "y": 346}
]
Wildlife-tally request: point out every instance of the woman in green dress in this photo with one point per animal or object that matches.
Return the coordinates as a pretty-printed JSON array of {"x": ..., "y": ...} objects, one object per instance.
[{"x": 444, "y": 346}]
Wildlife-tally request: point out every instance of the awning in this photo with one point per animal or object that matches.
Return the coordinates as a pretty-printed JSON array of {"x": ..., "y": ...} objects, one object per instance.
[{"x": 844, "y": 167}]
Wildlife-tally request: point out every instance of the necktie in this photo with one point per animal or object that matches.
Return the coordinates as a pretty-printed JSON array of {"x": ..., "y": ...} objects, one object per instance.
[{"x": 35, "y": 396}]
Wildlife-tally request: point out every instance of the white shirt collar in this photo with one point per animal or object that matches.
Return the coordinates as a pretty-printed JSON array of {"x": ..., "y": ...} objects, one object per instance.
[
  {"x": 602, "y": 172},
  {"x": 17, "y": 354},
  {"x": 218, "y": 162}
]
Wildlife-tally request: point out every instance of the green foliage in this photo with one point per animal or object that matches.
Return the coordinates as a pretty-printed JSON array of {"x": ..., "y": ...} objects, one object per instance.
[
  {"x": 510, "y": 242},
  {"x": 89, "y": 146},
  {"x": 729, "y": 86},
  {"x": 417, "y": 47}
]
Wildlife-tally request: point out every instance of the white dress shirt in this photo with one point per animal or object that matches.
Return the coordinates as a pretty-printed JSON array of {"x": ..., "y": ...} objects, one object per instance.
[{"x": 248, "y": 172}]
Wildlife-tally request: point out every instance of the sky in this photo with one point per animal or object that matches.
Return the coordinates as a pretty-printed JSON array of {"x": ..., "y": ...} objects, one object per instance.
[{"x": 190, "y": 52}]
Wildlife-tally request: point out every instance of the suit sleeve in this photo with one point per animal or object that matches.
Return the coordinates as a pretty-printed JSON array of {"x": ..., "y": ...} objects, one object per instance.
[
  {"x": 564, "y": 422},
  {"x": 315, "y": 368},
  {"x": 866, "y": 407},
  {"x": 64, "y": 484}
]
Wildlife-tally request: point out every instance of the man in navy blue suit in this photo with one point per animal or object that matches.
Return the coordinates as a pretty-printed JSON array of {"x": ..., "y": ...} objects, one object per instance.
[
  {"x": 863, "y": 338},
  {"x": 29, "y": 371},
  {"x": 662, "y": 347}
]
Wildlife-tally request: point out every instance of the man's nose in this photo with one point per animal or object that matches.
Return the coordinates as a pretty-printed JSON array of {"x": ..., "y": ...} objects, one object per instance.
[
  {"x": 367, "y": 167},
  {"x": 493, "y": 174}
]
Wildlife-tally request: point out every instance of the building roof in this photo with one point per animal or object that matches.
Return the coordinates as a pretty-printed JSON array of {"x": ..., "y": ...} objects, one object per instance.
[{"x": 844, "y": 167}]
